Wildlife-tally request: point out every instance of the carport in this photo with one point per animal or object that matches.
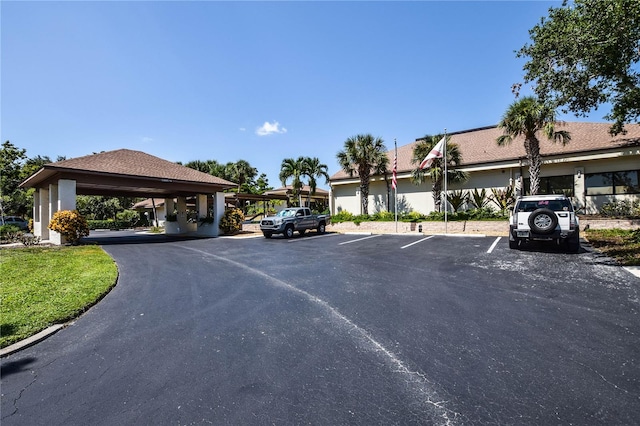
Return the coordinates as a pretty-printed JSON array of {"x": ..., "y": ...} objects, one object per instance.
[{"x": 125, "y": 172}]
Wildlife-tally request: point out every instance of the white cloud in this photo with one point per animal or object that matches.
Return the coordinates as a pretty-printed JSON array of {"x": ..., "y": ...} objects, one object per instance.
[
  {"x": 270, "y": 128},
  {"x": 146, "y": 139},
  {"x": 242, "y": 129}
]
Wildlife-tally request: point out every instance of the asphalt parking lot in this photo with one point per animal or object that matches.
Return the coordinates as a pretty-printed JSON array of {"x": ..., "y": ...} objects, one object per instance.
[{"x": 341, "y": 329}]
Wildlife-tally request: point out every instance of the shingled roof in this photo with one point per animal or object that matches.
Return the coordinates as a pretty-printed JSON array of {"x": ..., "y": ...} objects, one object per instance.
[
  {"x": 136, "y": 163},
  {"x": 127, "y": 171},
  {"x": 479, "y": 147}
]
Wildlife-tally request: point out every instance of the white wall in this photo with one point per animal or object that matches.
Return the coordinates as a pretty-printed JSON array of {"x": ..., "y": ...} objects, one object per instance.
[{"x": 419, "y": 198}]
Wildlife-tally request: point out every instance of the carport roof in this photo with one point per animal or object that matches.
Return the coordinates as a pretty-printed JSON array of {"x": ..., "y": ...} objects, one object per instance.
[{"x": 127, "y": 172}]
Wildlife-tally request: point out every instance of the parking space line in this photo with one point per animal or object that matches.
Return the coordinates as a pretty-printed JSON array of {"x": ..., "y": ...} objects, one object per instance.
[
  {"x": 416, "y": 242},
  {"x": 360, "y": 239},
  {"x": 309, "y": 237},
  {"x": 493, "y": 245}
]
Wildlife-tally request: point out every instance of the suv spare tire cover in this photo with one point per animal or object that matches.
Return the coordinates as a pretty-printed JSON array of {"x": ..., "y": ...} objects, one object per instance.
[{"x": 543, "y": 221}]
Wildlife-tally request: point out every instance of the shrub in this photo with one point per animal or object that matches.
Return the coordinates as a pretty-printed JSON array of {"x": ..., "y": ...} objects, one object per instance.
[
  {"x": 484, "y": 213},
  {"x": 413, "y": 216},
  {"x": 231, "y": 222},
  {"x": 360, "y": 218},
  {"x": 206, "y": 219},
  {"x": 10, "y": 233},
  {"x": 29, "y": 240},
  {"x": 343, "y": 216},
  {"x": 457, "y": 199},
  {"x": 479, "y": 198},
  {"x": 70, "y": 224},
  {"x": 503, "y": 198},
  {"x": 131, "y": 217},
  {"x": 107, "y": 224},
  {"x": 622, "y": 208},
  {"x": 383, "y": 216},
  {"x": 435, "y": 216}
]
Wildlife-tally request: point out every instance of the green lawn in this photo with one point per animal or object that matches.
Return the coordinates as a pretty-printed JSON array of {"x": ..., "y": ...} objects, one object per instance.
[{"x": 42, "y": 286}]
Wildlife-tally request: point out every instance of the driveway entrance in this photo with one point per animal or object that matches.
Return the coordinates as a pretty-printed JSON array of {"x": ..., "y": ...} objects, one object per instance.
[{"x": 340, "y": 329}]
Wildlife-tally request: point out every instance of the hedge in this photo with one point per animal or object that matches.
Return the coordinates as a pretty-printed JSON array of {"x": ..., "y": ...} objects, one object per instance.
[{"x": 109, "y": 224}]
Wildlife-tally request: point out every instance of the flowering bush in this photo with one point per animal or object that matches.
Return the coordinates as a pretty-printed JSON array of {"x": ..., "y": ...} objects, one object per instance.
[
  {"x": 231, "y": 222},
  {"x": 70, "y": 224}
]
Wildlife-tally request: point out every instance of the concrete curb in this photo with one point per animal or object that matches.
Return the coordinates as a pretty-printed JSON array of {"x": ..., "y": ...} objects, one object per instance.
[
  {"x": 635, "y": 270},
  {"x": 29, "y": 341}
]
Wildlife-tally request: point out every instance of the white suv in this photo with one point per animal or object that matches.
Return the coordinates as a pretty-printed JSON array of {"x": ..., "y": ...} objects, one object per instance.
[{"x": 544, "y": 218}]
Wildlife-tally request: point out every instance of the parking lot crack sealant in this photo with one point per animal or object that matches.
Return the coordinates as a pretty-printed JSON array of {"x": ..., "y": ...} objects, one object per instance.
[{"x": 420, "y": 386}]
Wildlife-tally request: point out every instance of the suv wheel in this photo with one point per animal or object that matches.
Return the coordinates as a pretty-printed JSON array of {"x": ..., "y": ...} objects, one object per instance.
[{"x": 543, "y": 221}]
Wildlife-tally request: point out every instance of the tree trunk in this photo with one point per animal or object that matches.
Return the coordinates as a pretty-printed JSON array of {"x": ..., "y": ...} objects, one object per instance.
[
  {"x": 364, "y": 195},
  {"x": 436, "y": 190},
  {"x": 533, "y": 153}
]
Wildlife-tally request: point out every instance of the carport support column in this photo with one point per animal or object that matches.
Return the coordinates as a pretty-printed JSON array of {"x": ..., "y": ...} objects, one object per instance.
[
  {"x": 61, "y": 197},
  {"x": 41, "y": 213},
  {"x": 169, "y": 207},
  {"x": 170, "y": 227},
  {"x": 181, "y": 207},
  {"x": 202, "y": 208},
  {"x": 54, "y": 237},
  {"x": 218, "y": 211}
]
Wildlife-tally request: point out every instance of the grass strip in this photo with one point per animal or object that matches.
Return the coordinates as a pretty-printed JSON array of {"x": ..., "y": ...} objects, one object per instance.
[
  {"x": 42, "y": 286},
  {"x": 620, "y": 244}
]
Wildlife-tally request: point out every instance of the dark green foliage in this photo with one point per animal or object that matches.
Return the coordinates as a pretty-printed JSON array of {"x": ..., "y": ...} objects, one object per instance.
[
  {"x": 503, "y": 198},
  {"x": 472, "y": 214},
  {"x": 108, "y": 224},
  {"x": 478, "y": 198},
  {"x": 623, "y": 208},
  {"x": 457, "y": 199},
  {"x": 9, "y": 233},
  {"x": 364, "y": 156},
  {"x": 585, "y": 54},
  {"x": 436, "y": 171},
  {"x": 528, "y": 117},
  {"x": 343, "y": 216}
]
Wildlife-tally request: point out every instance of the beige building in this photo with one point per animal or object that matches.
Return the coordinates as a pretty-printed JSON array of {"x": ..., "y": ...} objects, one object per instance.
[{"x": 593, "y": 168}]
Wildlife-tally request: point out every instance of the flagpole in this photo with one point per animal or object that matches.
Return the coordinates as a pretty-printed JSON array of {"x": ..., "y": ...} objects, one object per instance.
[
  {"x": 444, "y": 158},
  {"x": 395, "y": 189}
]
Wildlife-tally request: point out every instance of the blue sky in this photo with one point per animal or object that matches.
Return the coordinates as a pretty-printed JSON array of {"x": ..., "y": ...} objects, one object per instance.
[{"x": 258, "y": 81}]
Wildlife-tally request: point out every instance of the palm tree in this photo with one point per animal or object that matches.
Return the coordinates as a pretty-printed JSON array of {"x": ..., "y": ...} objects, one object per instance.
[
  {"x": 314, "y": 170},
  {"x": 198, "y": 165},
  {"x": 294, "y": 169},
  {"x": 365, "y": 155},
  {"x": 526, "y": 117},
  {"x": 242, "y": 173},
  {"x": 211, "y": 167},
  {"x": 436, "y": 171}
]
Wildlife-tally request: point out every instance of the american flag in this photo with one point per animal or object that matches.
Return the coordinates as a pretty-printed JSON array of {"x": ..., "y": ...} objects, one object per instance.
[{"x": 394, "y": 179}]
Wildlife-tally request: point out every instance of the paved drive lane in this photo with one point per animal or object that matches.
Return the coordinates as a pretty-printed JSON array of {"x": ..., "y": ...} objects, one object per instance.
[{"x": 339, "y": 329}]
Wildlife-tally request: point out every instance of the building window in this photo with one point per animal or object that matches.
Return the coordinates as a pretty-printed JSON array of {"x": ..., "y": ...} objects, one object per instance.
[
  {"x": 552, "y": 185},
  {"x": 612, "y": 183}
]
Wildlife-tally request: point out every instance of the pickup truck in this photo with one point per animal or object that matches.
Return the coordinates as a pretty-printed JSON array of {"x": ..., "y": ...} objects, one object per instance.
[{"x": 293, "y": 219}]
